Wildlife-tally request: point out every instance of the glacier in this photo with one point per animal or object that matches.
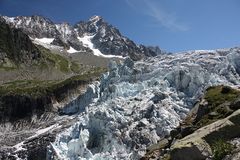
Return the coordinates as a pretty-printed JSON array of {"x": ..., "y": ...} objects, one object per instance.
[{"x": 135, "y": 104}]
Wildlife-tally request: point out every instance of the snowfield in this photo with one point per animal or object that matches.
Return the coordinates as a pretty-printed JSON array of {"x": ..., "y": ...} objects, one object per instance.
[
  {"x": 44, "y": 40},
  {"x": 137, "y": 103},
  {"x": 72, "y": 50},
  {"x": 86, "y": 40}
]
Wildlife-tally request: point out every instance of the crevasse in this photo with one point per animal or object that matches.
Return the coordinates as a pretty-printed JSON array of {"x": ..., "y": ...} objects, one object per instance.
[{"x": 137, "y": 103}]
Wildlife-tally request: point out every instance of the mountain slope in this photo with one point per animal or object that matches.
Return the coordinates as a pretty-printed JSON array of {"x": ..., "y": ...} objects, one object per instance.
[
  {"x": 94, "y": 35},
  {"x": 109, "y": 40},
  {"x": 38, "y": 27},
  {"x": 16, "y": 46},
  {"x": 21, "y": 59}
]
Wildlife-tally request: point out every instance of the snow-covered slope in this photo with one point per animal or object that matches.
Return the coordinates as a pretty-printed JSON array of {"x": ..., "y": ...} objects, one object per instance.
[
  {"x": 87, "y": 42},
  {"x": 136, "y": 104}
]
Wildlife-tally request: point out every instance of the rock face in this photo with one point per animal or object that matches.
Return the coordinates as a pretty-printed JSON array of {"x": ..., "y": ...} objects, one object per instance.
[
  {"x": 30, "y": 118},
  {"x": 16, "y": 46},
  {"x": 109, "y": 40},
  {"x": 137, "y": 103},
  {"x": 94, "y": 34},
  {"x": 196, "y": 146},
  {"x": 40, "y": 27},
  {"x": 23, "y": 107},
  {"x": 34, "y": 26}
]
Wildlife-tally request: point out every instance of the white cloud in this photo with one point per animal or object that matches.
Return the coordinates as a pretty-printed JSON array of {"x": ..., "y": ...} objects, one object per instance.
[{"x": 158, "y": 13}]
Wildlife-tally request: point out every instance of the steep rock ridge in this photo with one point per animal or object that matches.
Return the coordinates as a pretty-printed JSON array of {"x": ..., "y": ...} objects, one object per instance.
[
  {"x": 109, "y": 40},
  {"x": 87, "y": 36},
  {"x": 40, "y": 28},
  {"x": 68, "y": 35},
  {"x": 34, "y": 26},
  {"x": 16, "y": 47},
  {"x": 137, "y": 103}
]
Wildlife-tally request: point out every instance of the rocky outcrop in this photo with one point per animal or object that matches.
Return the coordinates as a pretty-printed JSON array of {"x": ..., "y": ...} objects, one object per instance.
[
  {"x": 16, "y": 46},
  {"x": 34, "y": 26},
  {"x": 15, "y": 107},
  {"x": 196, "y": 146}
]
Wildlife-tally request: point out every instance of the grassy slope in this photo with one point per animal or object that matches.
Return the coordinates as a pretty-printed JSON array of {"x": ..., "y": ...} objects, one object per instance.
[
  {"x": 57, "y": 61},
  {"x": 37, "y": 88},
  {"x": 218, "y": 98}
]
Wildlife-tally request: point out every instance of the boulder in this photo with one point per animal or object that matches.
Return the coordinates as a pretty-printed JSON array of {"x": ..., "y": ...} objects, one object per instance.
[{"x": 196, "y": 146}]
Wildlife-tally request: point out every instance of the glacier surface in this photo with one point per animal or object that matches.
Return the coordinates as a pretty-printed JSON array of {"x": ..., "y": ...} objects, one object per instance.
[{"x": 137, "y": 103}]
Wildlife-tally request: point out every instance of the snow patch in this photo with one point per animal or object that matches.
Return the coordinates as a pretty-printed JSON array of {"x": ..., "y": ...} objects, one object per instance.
[
  {"x": 44, "y": 40},
  {"x": 44, "y": 130},
  {"x": 19, "y": 147},
  {"x": 72, "y": 50},
  {"x": 47, "y": 45},
  {"x": 95, "y": 18},
  {"x": 86, "y": 40},
  {"x": 9, "y": 19}
]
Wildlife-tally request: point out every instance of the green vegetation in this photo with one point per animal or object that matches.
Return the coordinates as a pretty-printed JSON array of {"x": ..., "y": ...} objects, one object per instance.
[
  {"x": 74, "y": 67},
  {"x": 37, "y": 88},
  {"x": 218, "y": 98},
  {"x": 7, "y": 68},
  {"x": 58, "y": 61},
  {"x": 220, "y": 94},
  {"x": 220, "y": 149}
]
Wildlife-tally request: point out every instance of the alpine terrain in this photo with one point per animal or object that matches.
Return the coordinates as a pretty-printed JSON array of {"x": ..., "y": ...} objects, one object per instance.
[{"x": 86, "y": 92}]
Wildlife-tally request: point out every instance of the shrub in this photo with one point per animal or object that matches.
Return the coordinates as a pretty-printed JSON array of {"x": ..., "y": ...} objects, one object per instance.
[
  {"x": 220, "y": 149},
  {"x": 226, "y": 89}
]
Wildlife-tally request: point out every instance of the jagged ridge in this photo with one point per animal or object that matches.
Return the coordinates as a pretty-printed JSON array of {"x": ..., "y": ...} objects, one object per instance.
[{"x": 104, "y": 37}]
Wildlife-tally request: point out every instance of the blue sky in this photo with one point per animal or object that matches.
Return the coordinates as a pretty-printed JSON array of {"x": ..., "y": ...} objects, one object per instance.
[{"x": 174, "y": 25}]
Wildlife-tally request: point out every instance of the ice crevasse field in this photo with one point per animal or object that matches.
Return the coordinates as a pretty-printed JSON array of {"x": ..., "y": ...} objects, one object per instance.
[{"x": 137, "y": 103}]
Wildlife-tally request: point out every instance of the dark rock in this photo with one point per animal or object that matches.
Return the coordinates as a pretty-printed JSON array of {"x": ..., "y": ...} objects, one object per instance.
[
  {"x": 15, "y": 107},
  {"x": 59, "y": 42},
  {"x": 149, "y": 112},
  {"x": 16, "y": 45},
  {"x": 187, "y": 153},
  {"x": 225, "y": 89},
  {"x": 235, "y": 105},
  {"x": 186, "y": 130},
  {"x": 158, "y": 96}
]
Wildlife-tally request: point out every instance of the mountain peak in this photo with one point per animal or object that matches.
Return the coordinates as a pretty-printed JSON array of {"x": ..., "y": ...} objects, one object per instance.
[{"x": 95, "y": 18}]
